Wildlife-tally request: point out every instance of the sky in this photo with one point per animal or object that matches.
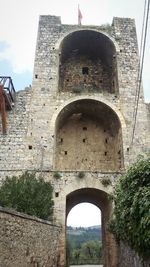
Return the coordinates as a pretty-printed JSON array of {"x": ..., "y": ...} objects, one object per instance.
[
  {"x": 18, "y": 34},
  {"x": 84, "y": 214}
]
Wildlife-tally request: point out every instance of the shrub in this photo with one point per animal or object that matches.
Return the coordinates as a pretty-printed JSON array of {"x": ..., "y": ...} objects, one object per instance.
[
  {"x": 131, "y": 220},
  {"x": 106, "y": 182},
  {"x": 27, "y": 194},
  {"x": 57, "y": 175},
  {"x": 81, "y": 174}
]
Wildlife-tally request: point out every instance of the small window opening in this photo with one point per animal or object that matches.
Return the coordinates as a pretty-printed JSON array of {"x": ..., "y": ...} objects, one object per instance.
[
  {"x": 105, "y": 153},
  {"x": 83, "y": 140},
  {"x": 65, "y": 152},
  {"x": 67, "y": 80},
  {"x": 119, "y": 152},
  {"x": 61, "y": 140},
  {"x": 84, "y": 80},
  {"x": 56, "y": 194},
  {"x": 36, "y": 76},
  {"x": 85, "y": 70},
  {"x": 106, "y": 141},
  {"x": 100, "y": 81},
  {"x": 84, "y": 128},
  {"x": 127, "y": 148},
  {"x": 30, "y": 147}
]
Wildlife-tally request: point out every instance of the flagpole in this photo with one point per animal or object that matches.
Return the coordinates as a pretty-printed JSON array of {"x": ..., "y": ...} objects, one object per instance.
[{"x": 79, "y": 16}]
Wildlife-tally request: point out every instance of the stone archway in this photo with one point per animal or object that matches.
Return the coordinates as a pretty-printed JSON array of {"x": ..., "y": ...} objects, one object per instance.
[
  {"x": 88, "y": 63},
  {"x": 101, "y": 200},
  {"x": 88, "y": 137},
  {"x": 73, "y": 190}
]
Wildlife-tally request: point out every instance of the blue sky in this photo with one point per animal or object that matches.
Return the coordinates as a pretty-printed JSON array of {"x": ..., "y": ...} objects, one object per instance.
[
  {"x": 20, "y": 79},
  {"x": 18, "y": 33}
]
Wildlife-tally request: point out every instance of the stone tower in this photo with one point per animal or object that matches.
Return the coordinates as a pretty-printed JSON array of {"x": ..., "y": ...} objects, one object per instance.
[{"x": 78, "y": 117}]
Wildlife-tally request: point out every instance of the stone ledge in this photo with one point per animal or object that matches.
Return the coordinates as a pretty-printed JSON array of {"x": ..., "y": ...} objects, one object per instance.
[{"x": 26, "y": 216}]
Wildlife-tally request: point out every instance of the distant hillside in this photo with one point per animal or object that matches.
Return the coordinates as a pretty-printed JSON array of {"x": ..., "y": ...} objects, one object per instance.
[{"x": 79, "y": 235}]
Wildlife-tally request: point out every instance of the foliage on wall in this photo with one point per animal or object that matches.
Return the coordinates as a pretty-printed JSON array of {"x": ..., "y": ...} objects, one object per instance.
[
  {"x": 131, "y": 220},
  {"x": 28, "y": 194}
]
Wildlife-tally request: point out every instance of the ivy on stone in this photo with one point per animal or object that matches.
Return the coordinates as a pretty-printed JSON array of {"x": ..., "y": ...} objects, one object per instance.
[
  {"x": 131, "y": 218},
  {"x": 27, "y": 194}
]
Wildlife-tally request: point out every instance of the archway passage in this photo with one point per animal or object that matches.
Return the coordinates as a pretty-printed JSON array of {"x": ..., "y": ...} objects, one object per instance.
[
  {"x": 101, "y": 200},
  {"x": 88, "y": 63},
  {"x": 88, "y": 137},
  {"x": 84, "y": 238}
]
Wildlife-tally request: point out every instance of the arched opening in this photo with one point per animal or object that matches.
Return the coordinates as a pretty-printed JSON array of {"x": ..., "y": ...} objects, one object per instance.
[
  {"x": 88, "y": 137},
  {"x": 84, "y": 235},
  {"x": 101, "y": 200},
  {"x": 88, "y": 63}
]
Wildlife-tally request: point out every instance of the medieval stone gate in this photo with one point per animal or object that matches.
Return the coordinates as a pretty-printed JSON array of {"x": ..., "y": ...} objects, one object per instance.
[{"x": 78, "y": 116}]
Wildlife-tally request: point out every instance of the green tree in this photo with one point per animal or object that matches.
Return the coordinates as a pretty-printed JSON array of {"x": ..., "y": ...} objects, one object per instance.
[
  {"x": 91, "y": 252},
  {"x": 28, "y": 194},
  {"x": 131, "y": 220}
]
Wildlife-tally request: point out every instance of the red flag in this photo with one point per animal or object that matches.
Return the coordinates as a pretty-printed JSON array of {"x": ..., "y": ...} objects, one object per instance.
[{"x": 79, "y": 16}]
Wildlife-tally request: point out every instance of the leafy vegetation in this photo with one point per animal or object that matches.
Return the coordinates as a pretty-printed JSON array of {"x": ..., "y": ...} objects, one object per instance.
[
  {"x": 106, "y": 182},
  {"x": 81, "y": 174},
  {"x": 56, "y": 175},
  {"x": 89, "y": 253},
  {"x": 27, "y": 194},
  {"x": 131, "y": 221},
  {"x": 84, "y": 245}
]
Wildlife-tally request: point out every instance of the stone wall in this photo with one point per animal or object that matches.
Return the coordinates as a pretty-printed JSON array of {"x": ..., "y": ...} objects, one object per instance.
[
  {"x": 26, "y": 241},
  {"x": 14, "y": 151},
  {"x": 84, "y": 75},
  {"x": 128, "y": 258}
]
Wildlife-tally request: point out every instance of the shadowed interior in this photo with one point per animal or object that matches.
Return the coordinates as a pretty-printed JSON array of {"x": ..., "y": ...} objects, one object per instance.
[{"x": 88, "y": 63}]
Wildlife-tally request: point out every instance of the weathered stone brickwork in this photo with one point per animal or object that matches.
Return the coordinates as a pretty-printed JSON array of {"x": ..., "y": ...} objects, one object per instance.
[
  {"x": 79, "y": 115},
  {"x": 26, "y": 241},
  {"x": 13, "y": 147},
  {"x": 128, "y": 258},
  {"x": 78, "y": 74}
]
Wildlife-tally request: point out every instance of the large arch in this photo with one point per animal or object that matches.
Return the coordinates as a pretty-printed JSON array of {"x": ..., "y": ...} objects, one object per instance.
[
  {"x": 88, "y": 63},
  {"x": 101, "y": 200},
  {"x": 88, "y": 137},
  {"x": 72, "y": 190}
]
